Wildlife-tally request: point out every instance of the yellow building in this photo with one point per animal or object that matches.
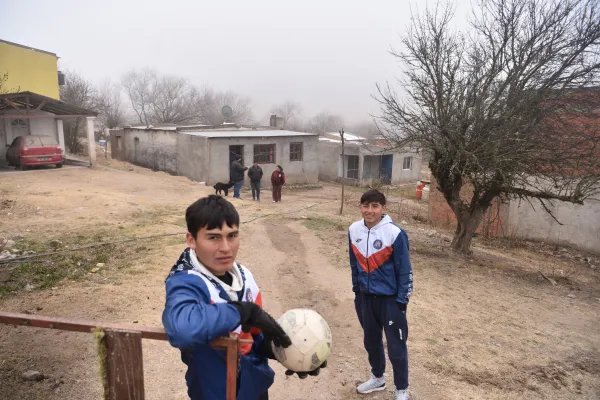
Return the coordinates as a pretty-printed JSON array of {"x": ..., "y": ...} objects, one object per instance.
[
  {"x": 29, "y": 70},
  {"x": 30, "y": 102}
]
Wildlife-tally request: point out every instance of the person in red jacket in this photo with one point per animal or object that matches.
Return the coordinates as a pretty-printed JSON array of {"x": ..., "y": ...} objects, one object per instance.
[{"x": 277, "y": 180}]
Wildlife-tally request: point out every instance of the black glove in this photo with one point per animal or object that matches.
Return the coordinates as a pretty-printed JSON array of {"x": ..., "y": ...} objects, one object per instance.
[
  {"x": 252, "y": 315},
  {"x": 402, "y": 306},
  {"x": 303, "y": 375}
]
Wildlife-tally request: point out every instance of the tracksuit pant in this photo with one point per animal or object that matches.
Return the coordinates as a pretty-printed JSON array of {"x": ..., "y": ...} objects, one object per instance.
[{"x": 382, "y": 313}]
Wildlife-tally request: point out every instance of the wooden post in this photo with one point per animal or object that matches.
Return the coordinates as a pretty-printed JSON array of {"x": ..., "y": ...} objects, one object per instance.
[
  {"x": 124, "y": 378},
  {"x": 343, "y": 172},
  {"x": 232, "y": 364},
  {"x": 27, "y": 111}
]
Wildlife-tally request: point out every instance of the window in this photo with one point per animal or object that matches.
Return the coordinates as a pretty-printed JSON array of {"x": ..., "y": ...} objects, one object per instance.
[
  {"x": 32, "y": 141},
  {"x": 264, "y": 153},
  {"x": 48, "y": 141},
  {"x": 407, "y": 163},
  {"x": 352, "y": 171},
  {"x": 19, "y": 123},
  {"x": 296, "y": 151}
]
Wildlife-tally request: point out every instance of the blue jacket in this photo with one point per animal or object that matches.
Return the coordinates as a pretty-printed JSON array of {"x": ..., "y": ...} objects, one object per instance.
[
  {"x": 196, "y": 312},
  {"x": 379, "y": 260}
]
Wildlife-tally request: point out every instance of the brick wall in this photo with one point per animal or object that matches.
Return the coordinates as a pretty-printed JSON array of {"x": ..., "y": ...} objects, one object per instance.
[{"x": 440, "y": 214}]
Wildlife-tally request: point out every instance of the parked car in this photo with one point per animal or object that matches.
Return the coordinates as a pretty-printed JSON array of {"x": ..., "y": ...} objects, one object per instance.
[{"x": 27, "y": 151}]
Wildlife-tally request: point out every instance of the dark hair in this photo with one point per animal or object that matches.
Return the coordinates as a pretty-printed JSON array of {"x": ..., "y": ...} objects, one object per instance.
[
  {"x": 281, "y": 169},
  {"x": 373, "y": 196},
  {"x": 210, "y": 212}
]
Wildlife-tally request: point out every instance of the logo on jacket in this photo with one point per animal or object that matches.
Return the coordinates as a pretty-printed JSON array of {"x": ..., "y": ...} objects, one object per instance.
[
  {"x": 249, "y": 297},
  {"x": 358, "y": 240},
  {"x": 378, "y": 244}
]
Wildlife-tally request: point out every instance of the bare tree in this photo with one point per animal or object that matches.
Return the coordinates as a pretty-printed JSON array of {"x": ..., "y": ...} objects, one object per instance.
[
  {"x": 297, "y": 124},
  {"x": 325, "y": 122},
  {"x": 175, "y": 101},
  {"x": 366, "y": 129},
  {"x": 4, "y": 89},
  {"x": 213, "y": 102},
  {"x": 110, "y": 106},
  {"x": 163, "y": 99},
  {"x": 79, "y": 92},
  {"x": 501, "y": 109},
  {"x": 139, "y": 90},
  {"x": 288, "y": 110}
]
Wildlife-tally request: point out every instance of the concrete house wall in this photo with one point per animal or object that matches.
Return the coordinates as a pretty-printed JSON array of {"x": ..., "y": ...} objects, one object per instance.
[
  {"x": 29, "y": 69},
  {"x": 581, "y": 223},
  {"x": 297, "y": 172},
  {"x": 400, "y": 175},
  {"x": 154, "y": 149},
  {"x": 330, "y": 164},
  {"x": 193, "y": 157}
]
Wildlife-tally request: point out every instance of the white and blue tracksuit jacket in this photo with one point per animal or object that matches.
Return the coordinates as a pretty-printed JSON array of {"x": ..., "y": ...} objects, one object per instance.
[
  {"x": 196, "y": 312},
  {"x": 380, "y": 261}
]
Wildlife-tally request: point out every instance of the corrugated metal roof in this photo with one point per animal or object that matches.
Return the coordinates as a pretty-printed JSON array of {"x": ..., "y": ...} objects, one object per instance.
[
  {"x": 248, "y": 133},
  {"x": 43, "y": 103}
]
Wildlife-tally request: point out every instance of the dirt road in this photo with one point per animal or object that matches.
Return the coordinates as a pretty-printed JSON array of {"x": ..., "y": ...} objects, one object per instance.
[{"x": 489, "y": 327}]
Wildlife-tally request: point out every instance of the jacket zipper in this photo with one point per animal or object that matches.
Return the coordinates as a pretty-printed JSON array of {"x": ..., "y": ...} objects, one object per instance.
[{"x": 368, "y": 266}]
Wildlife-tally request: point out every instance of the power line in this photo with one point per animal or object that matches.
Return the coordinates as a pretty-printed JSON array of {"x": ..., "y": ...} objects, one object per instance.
[{"x": 89, "y": 246}]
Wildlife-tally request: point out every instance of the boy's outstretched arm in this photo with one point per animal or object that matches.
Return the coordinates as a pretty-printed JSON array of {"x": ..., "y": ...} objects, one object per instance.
[
  {"x": 189, "y": 318},
  {"x": 403, "y": 268}
]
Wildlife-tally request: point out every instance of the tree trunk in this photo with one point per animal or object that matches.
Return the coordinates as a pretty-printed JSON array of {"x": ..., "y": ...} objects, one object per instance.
[{"x": 465, "y": 228}]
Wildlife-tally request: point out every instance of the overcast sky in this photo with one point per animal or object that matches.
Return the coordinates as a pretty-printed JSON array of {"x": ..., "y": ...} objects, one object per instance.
[{"x": 325, "y": 55}]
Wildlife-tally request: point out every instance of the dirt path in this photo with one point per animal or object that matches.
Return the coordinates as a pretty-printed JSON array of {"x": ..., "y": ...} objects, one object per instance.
[{"x": 486, "y": 328}]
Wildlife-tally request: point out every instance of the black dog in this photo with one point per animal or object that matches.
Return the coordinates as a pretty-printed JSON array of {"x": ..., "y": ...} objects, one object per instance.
[{"x": 223, "y": 187}]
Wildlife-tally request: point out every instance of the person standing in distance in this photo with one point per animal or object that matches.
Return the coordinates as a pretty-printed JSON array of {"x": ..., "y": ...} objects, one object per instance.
[
  {"x": 255, "y": 173},
  {"x": 277, "y": 181},
  {"x": 382, "y": 281},
  {"x": 237, "y": 176}
]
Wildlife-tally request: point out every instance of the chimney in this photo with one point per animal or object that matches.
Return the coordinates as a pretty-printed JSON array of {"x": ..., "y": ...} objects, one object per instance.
[{"x": 276, "y": 122}]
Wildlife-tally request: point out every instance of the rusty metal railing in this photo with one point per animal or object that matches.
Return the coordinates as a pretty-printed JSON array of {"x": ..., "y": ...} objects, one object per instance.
[{"x": 121, "y": 348}]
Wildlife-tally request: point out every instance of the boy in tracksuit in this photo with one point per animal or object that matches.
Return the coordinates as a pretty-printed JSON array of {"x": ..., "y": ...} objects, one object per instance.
[
  {"x": 382, "y": 283},
  {"x": 210, "y": 295}
]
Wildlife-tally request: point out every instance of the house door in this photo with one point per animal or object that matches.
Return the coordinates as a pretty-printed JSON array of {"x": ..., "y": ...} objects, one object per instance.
[
  {"x": 352, "y": 171},
  {"x": 235, "y": 152},
  {"x": 386, "y": 169},
  {"x": 18, "y": 127}
]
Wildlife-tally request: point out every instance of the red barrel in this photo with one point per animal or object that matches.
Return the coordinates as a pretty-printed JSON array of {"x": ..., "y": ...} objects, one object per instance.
[{"x": 420, "y": 186}]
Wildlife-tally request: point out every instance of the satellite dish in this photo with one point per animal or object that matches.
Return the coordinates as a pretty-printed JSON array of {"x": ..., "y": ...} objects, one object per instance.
[{"x": 226, "y": 111}]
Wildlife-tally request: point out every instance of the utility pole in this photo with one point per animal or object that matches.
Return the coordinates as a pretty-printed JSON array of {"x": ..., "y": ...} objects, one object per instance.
[{"x": 343, "y": 172}]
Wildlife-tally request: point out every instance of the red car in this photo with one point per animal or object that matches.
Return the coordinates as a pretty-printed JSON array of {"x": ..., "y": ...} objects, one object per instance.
[{"x": 28, "y": 151}]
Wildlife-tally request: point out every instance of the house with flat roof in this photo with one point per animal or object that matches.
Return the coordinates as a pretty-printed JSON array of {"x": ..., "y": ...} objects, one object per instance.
[
  {"x": 205, "y": 153},
  {"x": 364, "y": 163}
]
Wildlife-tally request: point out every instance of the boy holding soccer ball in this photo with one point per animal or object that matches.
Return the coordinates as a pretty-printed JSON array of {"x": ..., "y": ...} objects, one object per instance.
[
  {"x": 210, "y": 295},
  {"x": 382, "y": 282}
]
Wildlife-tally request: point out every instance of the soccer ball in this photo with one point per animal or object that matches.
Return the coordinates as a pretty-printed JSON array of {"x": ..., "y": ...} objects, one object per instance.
[{"x": 311, "y": 340}]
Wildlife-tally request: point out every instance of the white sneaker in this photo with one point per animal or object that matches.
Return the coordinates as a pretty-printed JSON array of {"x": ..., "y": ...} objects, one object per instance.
[
  {"x": 401, "y": 395},
  {"x": 372, "y": 385}
]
